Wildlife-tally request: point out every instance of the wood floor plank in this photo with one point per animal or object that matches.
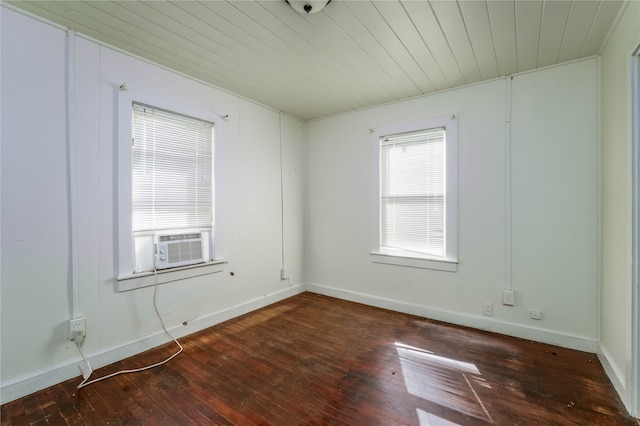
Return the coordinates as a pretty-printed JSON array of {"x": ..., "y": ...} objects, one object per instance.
[{"x": 315, "y": 360}]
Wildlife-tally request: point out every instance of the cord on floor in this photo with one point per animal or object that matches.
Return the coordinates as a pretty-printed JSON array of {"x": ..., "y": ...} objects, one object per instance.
[{"x": 87, "y": 382}]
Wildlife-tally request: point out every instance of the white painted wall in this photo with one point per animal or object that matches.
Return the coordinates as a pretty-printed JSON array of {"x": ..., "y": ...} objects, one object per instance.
[
  {"x": 36, "y": 280},
  {"x": 615, "y": 329},
  {"x": 554, "y": 205},
  {"x": 554, "y": 208},
  {"x": 554, "y": 198}
]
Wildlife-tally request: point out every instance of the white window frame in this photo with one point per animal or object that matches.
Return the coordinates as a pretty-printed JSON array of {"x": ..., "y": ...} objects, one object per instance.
[
  {"x": 449, "y": 261},
  {"x": 126, "y": 278}
]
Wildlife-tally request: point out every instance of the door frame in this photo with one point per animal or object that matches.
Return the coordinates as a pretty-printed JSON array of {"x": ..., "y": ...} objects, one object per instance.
[{"x": 635, "y": 233}]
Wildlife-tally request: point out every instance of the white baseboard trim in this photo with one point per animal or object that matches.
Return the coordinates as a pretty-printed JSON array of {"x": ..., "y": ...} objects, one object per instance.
[
  {"x": 29, "y": 383},
  {"x": 570, "y": 341},
  {"x": 617, "y": 377}
]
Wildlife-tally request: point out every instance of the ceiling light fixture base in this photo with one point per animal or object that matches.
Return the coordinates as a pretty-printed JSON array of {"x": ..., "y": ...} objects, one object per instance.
[{"x": 307, "y": 7}]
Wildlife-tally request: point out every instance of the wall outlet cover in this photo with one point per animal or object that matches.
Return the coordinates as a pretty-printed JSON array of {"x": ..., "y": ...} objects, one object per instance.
[
  {"x": 487, "y": 309},
  {"x": 77, "y": 325},
  {"x": 508, "y": 297}
]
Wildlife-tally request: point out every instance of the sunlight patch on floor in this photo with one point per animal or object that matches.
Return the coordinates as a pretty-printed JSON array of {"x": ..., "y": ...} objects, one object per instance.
[
  {"x": 442, "y": 380},
  {"x": 428, "y": 419}
]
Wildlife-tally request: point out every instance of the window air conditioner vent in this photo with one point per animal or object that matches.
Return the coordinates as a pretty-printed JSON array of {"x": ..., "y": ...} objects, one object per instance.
[{"x": 172, "y": 250}]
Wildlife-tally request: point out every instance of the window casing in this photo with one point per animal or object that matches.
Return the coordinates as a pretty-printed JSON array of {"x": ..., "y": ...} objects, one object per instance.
[
  {"x": 415, "y": 194},
  {"x": 166, "y": 185}
]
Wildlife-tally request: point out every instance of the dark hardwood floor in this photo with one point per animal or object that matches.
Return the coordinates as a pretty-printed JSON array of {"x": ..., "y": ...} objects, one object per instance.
[{"x": 316, "y": 360}]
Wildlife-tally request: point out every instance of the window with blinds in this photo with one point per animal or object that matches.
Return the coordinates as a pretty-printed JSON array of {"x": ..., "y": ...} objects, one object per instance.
[
  {"x": 412, "y": 192},
  {"x": 415, "y": 194},
  {"x": 166, "y": 190},
  {"x": 172, "y": 173},
  {"x": 172, "y": 185}
]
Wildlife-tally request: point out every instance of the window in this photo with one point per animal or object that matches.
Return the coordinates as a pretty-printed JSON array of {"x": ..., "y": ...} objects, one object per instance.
[
  {"x": 416, "y": 194},
  {"x": 166, "y": 187},
  {"x": 172, "y": 181}
]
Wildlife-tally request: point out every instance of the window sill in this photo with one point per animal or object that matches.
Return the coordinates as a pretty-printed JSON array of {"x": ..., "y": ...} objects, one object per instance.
[
  {"x": 415, "y": 262},
  {"x": 145, "y": 279}
]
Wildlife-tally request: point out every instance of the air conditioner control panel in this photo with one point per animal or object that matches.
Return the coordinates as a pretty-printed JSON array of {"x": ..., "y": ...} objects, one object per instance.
[{"x": 178, "y": 250}]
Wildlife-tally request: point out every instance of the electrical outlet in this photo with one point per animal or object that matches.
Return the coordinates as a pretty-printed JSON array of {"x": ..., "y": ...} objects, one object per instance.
[
  {"x": 284, "y": 273},
  {"x": 536, "y": 315},
  {"x": 487, "y": 309},
  {"x": 508, "y": 297},
  {"x": 77, "y": 329}
]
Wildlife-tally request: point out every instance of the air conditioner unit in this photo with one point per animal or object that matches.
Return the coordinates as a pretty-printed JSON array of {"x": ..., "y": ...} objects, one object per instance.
[{"x": 173, "y": 250}]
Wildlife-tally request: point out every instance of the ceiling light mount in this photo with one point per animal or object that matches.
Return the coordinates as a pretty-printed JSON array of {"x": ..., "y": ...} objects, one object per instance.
[{"x": 306, "y": 7}]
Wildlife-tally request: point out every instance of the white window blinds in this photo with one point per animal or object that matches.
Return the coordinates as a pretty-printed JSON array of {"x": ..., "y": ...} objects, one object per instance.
[
  {"x": 172, "y": 176},
  {"x": 412, "y": 192}
]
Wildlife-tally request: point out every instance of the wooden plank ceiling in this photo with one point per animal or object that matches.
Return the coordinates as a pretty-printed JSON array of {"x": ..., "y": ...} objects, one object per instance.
[{"x": 353, "y": 54}]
